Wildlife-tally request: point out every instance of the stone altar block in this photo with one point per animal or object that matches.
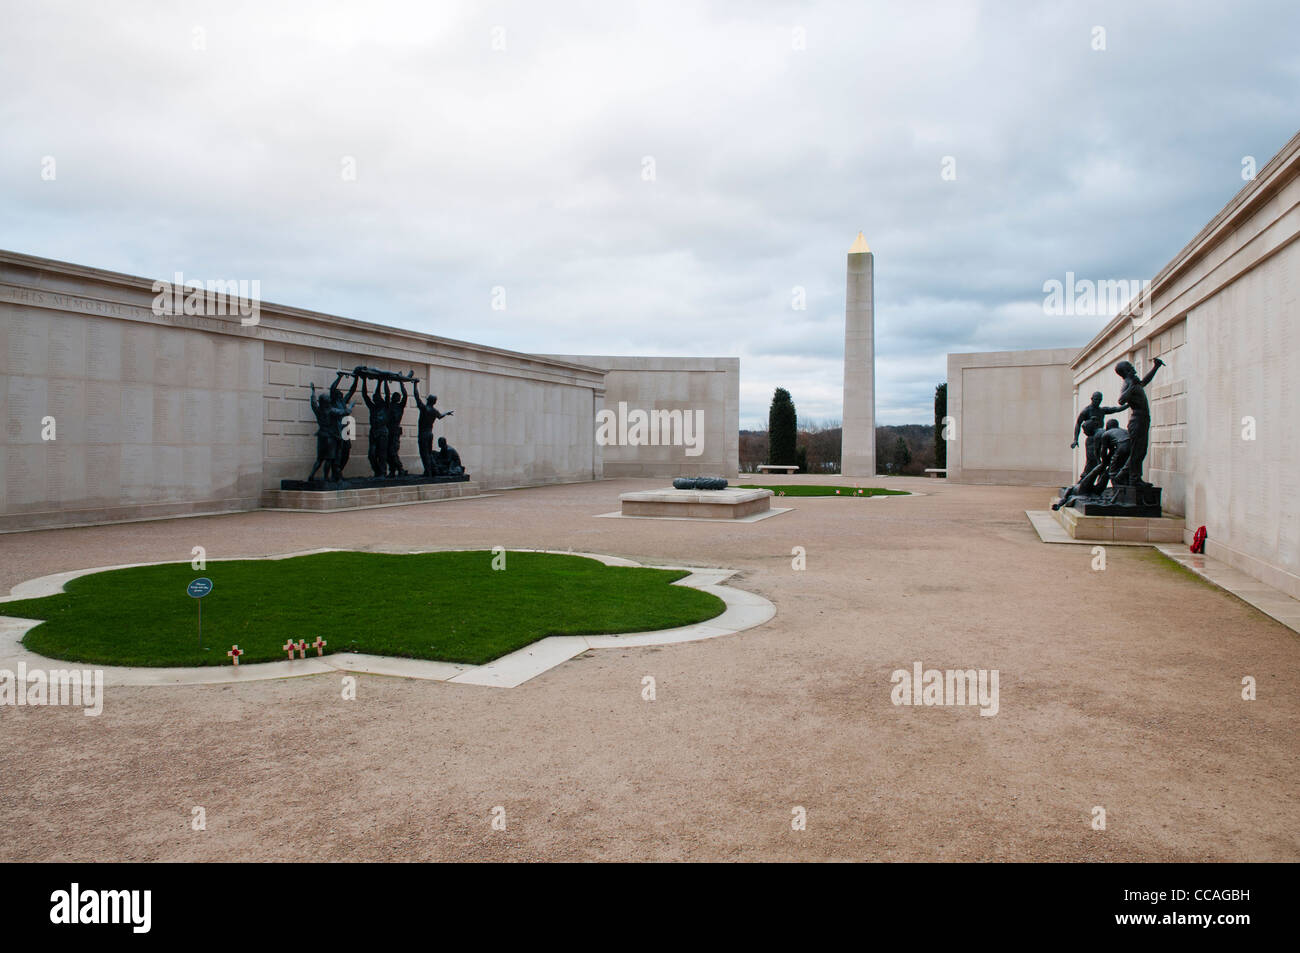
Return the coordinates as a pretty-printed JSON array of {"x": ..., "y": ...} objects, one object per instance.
[{"x": 729, "y": 504}]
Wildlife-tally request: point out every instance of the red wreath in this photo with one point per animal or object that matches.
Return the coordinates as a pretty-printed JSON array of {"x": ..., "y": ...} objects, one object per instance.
[{"x": 1198, "y": 541}]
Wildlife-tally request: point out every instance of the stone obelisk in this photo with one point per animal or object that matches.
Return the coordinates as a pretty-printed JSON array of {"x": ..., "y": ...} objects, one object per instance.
[{"x": 858, "y": 439}]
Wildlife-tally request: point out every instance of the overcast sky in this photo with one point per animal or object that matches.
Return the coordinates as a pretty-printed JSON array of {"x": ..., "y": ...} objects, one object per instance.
[{"x": 511, "y": 145}]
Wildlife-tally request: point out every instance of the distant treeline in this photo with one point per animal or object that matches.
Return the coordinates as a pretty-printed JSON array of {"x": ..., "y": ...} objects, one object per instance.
[{"x": 906, "y": 449}]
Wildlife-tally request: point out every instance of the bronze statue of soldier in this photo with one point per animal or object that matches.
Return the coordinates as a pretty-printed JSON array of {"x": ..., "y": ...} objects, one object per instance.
[
  {"x": 329, "y": 436},
  {"x": 1090, "y": 420},
  {"x": 1133, "y": 396},
  {"x": 396, "y": 408},
  {"x": 429, "y": 415},
  {"x": 343, "y": 409},
  {"x": 1112, "y": 449},
  {"x": 333, "y": 408},
  {"x": 446, "y": 461},
  {"x": 378, "y": 406}
]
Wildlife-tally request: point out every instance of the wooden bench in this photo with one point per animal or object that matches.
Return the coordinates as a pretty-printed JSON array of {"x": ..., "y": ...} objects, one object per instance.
[
  {"x": 935, "y": 471},
  {"x": 788, "y": 468}
]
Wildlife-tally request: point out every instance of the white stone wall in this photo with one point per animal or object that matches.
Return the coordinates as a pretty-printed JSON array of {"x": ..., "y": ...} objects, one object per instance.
[
  {"x": 708, "y": 385},
  {"x": 1167, "y": 454},
  {"x": 1243, "y": 357},
  {"x": 149, "y": 419},
  {"x": 1013, "y": 417}
]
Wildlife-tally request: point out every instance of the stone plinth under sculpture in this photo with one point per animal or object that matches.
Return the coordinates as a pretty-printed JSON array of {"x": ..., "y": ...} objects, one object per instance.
[
  {"x": 1139, "y": 501},
  {"x": 366, "y": 483},
  {"x": 1120, "y": 529},
  {"x": 383, "y": 493}
]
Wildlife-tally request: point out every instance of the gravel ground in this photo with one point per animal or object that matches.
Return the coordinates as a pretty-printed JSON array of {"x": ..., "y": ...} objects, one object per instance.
[{"x": 1118, "y": 689}]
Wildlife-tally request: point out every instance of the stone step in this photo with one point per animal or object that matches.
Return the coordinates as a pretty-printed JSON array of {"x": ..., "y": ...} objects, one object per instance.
[
  {"x": 1125, "y": 529},
  {"x": 324, "y": 500}
]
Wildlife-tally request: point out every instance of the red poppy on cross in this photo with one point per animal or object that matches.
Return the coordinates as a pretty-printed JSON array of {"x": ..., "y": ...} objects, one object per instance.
[
  {"x": 234, "y": 653},
  {"x": 319, "y": 645},
  {"x": 302, "y": 648},
  {"x": 288, "y": 647}
]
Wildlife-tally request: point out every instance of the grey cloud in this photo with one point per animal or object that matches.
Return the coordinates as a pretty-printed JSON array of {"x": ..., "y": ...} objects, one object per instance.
[{"x": 522, "y": 168}]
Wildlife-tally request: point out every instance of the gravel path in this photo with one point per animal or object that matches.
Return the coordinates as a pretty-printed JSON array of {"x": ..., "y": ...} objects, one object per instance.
[{"x": 1138, "y": 711}]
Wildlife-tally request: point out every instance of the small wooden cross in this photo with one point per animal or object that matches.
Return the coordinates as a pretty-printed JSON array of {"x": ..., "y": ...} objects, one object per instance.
[
  {"x": 301, "y": 646},
  {"x": 288, "y": 647},
  {"x": 234, "y": 653},
  {"x": 319, "y": 645}
]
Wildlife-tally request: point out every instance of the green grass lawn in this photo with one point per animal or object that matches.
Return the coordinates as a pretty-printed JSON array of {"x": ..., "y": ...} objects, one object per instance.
[
  {"x": 803, "y": 489},
  {"x": 450, "y": 607}
]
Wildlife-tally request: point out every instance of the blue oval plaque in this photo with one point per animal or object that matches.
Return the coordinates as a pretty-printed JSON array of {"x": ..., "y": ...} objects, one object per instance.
[{"x": 199, "y": 587}]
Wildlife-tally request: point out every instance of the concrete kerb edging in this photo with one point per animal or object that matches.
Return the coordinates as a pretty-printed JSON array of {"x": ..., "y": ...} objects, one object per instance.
[{"x": 745, "y": 610}]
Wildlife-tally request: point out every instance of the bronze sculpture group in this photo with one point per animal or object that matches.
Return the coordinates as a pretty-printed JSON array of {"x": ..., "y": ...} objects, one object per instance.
[
  {"x": 1112, "y": 454},
  {"x": 334, "y": 427}
]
